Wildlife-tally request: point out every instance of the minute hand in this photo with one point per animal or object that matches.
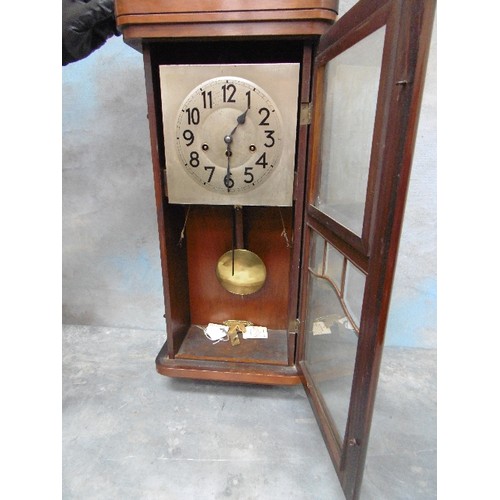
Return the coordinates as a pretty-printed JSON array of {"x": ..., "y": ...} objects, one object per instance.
[{"x": 227, "y": 179}]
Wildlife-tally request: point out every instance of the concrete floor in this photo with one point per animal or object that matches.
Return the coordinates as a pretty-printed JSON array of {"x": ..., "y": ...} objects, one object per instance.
[{"x": 129, "y": 433}]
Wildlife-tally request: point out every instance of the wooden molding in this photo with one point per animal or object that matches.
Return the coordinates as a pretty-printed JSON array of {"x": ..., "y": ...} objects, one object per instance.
[{"x": 160, "y": 19}]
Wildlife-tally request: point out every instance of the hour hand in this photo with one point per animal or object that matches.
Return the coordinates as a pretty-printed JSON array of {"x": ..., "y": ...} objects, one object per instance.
[{"x": 241, "y": 120}]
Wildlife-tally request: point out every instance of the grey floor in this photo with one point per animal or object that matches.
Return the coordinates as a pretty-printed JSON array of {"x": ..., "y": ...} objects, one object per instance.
[{"x": 129, "y": 433}]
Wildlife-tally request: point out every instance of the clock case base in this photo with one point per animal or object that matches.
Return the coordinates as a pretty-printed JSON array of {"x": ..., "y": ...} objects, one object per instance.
[
  {"x": 226, "y": 371},
  {"x": 193, "y": 297}
]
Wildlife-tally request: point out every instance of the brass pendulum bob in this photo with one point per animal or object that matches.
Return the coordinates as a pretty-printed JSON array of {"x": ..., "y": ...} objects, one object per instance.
[{"x": 240, "y": 271}]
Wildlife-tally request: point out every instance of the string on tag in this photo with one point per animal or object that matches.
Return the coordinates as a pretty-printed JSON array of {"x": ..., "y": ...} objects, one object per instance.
[
  {"x": 215, "y": 333},
  {"x": 184, "y": 227},
  {"x": 284, "y": 233}
]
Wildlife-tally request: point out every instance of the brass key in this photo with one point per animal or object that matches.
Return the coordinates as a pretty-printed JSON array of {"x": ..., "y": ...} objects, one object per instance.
[{"x": 235, "y": 327}]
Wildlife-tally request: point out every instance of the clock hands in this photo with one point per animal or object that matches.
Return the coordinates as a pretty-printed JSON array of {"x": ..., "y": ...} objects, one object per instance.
[{"x": 228, "y": 139}]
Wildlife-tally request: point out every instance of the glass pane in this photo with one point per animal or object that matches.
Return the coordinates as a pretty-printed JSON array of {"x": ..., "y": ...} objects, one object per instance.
[
  {"x": 331, "y": 340},
  {"x": 351, "y": 88},
  {"x": 330, "y": 350},
  {"x": 354, "y": 291},
  {"x": 334, "y": 265},
  {"x": 316, "y": 260}
]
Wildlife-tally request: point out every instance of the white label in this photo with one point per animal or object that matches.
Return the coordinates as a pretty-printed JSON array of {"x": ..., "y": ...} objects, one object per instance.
[
  {"x": 216, "y": 332},
  {"x": 319, "y": 328},
  {"x": 255, "y": 332}
]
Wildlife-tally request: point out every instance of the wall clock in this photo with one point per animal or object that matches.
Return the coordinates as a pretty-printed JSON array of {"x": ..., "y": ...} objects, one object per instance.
[
  {"x": 229, "y": 133},
  {"x": 277, "y": 130}
]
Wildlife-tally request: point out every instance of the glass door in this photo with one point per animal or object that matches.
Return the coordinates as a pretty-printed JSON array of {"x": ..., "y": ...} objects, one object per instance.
[{"x": 368, "y": 81}]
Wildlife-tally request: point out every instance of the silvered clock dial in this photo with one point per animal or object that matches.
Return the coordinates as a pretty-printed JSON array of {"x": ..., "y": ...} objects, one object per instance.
[
  {"x": 229, "y": 135},
  {"x": 230, "y": 138}
]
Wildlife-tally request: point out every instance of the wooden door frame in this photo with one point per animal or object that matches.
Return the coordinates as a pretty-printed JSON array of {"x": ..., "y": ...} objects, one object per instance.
[{"x": 408, "y": 33}]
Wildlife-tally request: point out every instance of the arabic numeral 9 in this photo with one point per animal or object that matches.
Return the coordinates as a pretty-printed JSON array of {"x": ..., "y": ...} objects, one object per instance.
[{"x": 188, "y": 137}]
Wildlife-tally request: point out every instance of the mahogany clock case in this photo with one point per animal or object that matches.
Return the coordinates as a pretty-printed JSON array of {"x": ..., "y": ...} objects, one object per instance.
[
  {"x": 192, "y": 238},
  {"x": 193, "y": 295}
]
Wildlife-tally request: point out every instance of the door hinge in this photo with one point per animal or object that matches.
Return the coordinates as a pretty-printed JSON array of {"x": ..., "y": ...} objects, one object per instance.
[{"x": 305, "y": 113}]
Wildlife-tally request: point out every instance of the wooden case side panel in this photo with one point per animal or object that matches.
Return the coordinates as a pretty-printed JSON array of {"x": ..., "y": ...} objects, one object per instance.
[
  {"x": 299, "y": 196},
  {"x": 170, "y": 221}
]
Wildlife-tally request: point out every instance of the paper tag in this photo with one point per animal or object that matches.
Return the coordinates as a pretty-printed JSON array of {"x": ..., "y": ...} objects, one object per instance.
[
  {"x": 255, "y": 332},
  {"x": 346, "y": 323},
  {"x": 216, "y": 332},
  {"x": 319, "y": 328}
]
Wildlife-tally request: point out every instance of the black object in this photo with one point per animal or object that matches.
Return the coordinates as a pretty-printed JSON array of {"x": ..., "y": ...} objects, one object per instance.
[{"x": 86, "y": 25}]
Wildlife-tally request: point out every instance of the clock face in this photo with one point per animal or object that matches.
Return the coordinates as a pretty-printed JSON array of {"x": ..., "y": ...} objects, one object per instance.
[{"x": 229, "y": 133}]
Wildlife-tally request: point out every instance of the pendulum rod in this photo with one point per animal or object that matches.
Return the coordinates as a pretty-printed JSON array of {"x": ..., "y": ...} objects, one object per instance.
[{"x": 238, "y": 239}]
